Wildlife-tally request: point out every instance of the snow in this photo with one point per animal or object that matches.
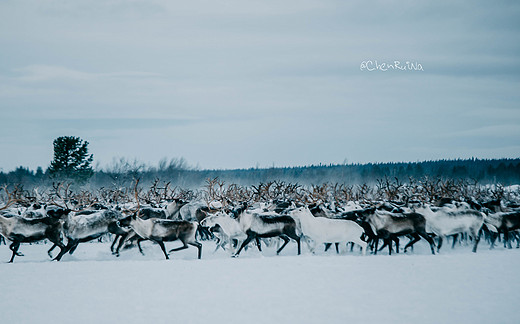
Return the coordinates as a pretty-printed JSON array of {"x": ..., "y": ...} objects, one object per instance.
[{"x": 92, "y": 286}]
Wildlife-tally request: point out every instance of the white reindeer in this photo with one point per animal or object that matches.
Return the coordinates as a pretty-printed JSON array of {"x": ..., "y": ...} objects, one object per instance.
[
  {"x": 230, "y": 229},
  {"x": 326, "y": 230},
  {"x": 447, "y": 221}
]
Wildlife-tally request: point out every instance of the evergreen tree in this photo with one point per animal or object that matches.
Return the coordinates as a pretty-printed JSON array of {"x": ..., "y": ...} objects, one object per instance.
[
  {"x": 71, "y": 159},
  {"x": 39, "y": 173}
]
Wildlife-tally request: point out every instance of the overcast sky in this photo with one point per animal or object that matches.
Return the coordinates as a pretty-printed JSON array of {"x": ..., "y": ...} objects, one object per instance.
[{"x": 238, "y": 84}]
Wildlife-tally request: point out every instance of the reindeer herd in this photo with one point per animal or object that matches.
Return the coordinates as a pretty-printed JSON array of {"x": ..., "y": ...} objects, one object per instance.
[{"x": 237, "y": 217}]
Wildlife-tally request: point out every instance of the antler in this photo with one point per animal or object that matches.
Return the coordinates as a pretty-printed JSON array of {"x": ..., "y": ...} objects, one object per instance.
[
  {"x": 214, "y": 190},
  {"x": 11, "y": 196},
  {"x": 136, "y": 195},
  {"x": 362, "y": 192},
  {"x": 62, "y": 192},
  {"x": 237, "y": 193}
]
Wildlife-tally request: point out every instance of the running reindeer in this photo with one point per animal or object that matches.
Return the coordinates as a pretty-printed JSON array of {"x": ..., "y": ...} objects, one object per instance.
[
  {"x": 21, "y": 230},
  {"x": 162, "y": 230}
]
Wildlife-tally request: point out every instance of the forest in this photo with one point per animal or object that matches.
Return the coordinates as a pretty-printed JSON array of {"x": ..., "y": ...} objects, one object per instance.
[{"x": 179, "y": 173}]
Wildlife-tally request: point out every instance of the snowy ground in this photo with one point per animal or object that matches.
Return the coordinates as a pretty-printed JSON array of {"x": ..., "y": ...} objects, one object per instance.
[{"x": 92, "y": 286}]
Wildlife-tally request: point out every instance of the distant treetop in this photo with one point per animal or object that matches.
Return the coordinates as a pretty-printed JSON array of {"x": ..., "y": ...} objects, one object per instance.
[{"x": 71, "y": 159}]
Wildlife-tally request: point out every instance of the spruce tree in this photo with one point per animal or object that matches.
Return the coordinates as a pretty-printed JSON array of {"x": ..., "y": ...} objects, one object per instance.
[{"x": 71, "y": 159}]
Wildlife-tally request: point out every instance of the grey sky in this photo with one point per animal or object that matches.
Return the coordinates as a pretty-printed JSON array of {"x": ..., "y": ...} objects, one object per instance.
[{"x": 230, "y": 84}]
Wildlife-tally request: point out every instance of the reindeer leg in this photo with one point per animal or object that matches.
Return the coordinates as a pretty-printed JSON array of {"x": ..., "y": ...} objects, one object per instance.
[
  {"x": 185, "y": 246},
  {"x": 226, "y": 243},
  {"x": 337, "y": 247},
  {"x": 376, "y": 246},
  {"x": 250, "y": 236},
  {"x": 204, "y": 233},
  {"x": 416, "y": 238},
  {"x": 455, "y": 237},
  {"x": 55, "y": 237},
  {"x": 125, "y": 238},
  {"x": 73, "y": 248},
  {"x": 307, "y": 241},
  {"x": 493, "y": 239},
  {"x": 258, "y": 245},
  {"x": 361, "y": 243},
  {"x": 312, "y": 247},
  {"x": 199, "y": 247},
  {"x": 430, "y": 241},
  {"x": 327, "y": 246},
  {"x": 122, "y": 240},
  {"x": 507, "y": 239},
  {"x": 14, "y": 247},
  {"x": 385, "y": 243},
  {"x": 218, "y": 244},
  {"x": 161, "y": 244},
  {"x": 440, "y": 243},
  {"x": 476, "y": 237},
  {"x": 118, "y": 237},
  {"x": 69, "y": 245},
  {"x": 235, "y": 244},
  {"x": 139, "y": 245},
  {"x": 51, "y": 249},
  {"x": 396, "y": 240},
  {"x": 286, "y": 240},
  {"x": 292, "y": 234}
]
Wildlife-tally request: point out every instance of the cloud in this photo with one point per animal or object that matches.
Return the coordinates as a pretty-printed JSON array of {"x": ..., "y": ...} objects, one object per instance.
[
  {"x": 95, "y": 124},
  {"x": 42, "y": 73},
  {"x": 511, "y": 131},
  {"x": 276, "y": 81}
]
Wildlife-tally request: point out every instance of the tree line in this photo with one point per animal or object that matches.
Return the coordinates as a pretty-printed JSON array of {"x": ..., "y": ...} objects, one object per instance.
[{"x": 72, "y": 162}]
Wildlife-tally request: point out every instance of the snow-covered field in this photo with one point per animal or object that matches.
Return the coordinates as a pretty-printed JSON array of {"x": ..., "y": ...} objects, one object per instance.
[{"x": 92, "y": 286}]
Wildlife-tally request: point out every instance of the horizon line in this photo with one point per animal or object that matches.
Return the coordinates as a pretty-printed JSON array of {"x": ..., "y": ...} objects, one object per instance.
[{"x": 194, "y": 168}]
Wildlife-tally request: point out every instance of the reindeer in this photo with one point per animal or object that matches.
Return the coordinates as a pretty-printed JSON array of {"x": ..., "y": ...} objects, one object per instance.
[
  {"x": 85, "y": 228},
  {"x": 319, "y": 210},
  {"x": 446, "y": 221},
  {"x": 229, "y": 229},
  {"x": 21, "y": 230},
  {"x": 386, "y": 225},
  {"x": 164, "y": 230},
  {"x": 369, "y": 236},
  {"x": 325, "y": 230},
  {"x": 503, "y": 222},
  {"x": 124, "y": 234},
  {"x": 267, "y": 225},
  {"x": 170, "y": 212},
  {"x": 81, "y": 225},
  {"x": 35, "y": 211},
  {"x": 196, "y": 211}
]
